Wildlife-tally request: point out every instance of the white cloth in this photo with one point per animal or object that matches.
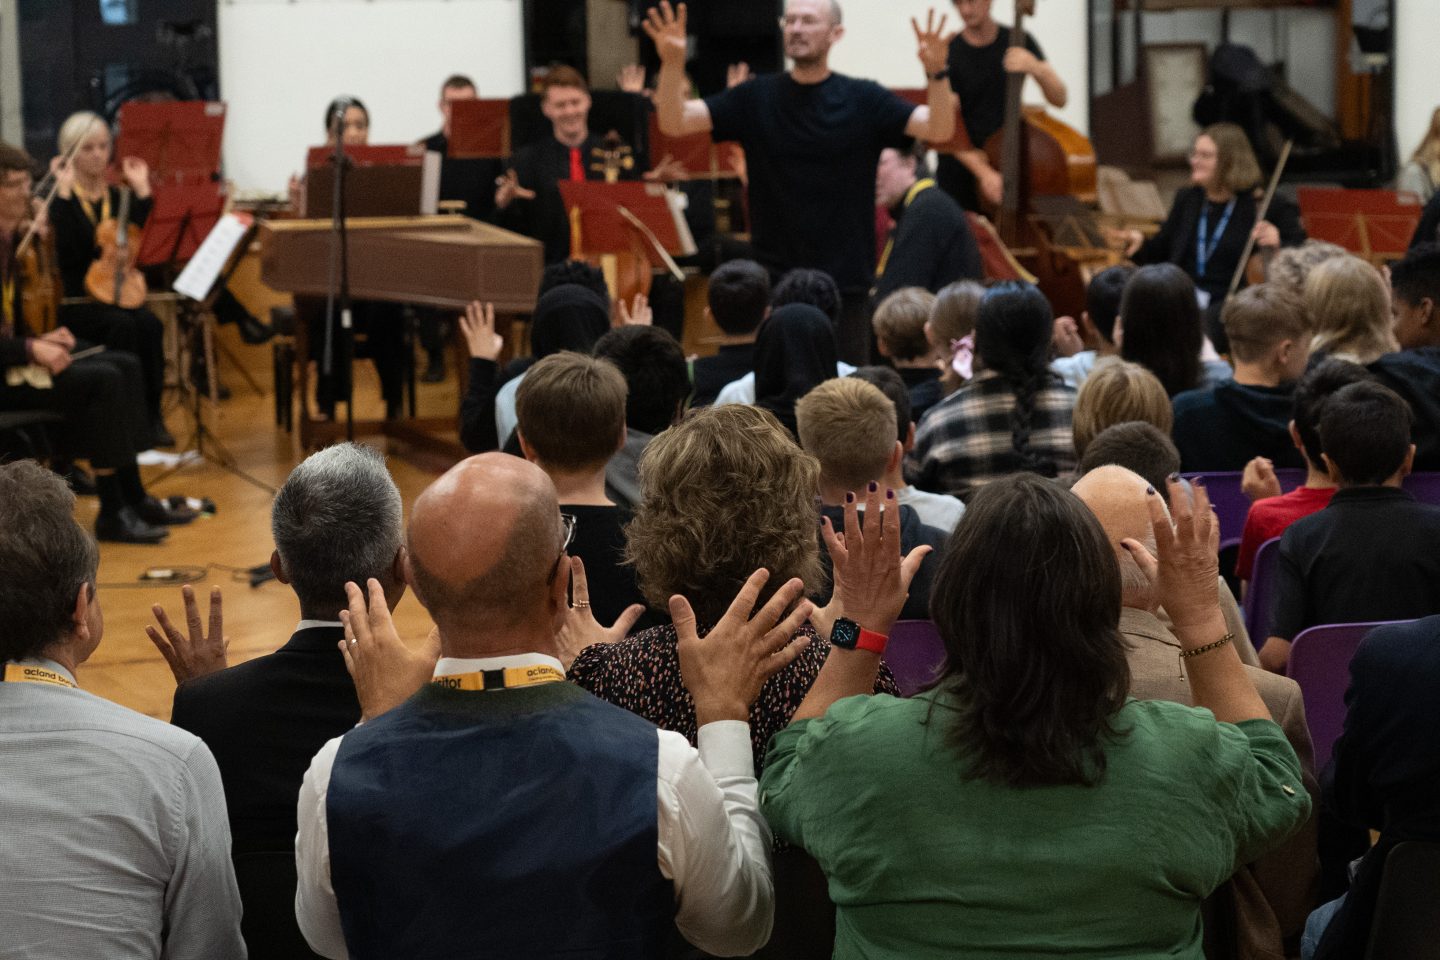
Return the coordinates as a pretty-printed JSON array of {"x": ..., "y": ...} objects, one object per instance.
[
  {"x": 713, "y": 843},
  {"x": 939, "y": 510},
  {"x": 506, "y": 418},
  {"x": 311, "y": 624},
  {"x": 743, "y": 390},
  {"x": 1074, "y": 370}
]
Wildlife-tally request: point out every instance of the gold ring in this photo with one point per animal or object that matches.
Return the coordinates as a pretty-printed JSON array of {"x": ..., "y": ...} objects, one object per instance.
[{"x": 581, "y": 604}]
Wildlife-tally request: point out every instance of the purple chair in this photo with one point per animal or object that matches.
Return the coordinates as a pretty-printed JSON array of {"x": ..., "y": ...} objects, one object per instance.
[
  {"x": 1320, "y": 663},
  {"x": 914, "y": 654},
  {"x": 1424, "y": 487},
  {"x": 1230, "y": 502},
  {"x": 1259, "y": 603}
]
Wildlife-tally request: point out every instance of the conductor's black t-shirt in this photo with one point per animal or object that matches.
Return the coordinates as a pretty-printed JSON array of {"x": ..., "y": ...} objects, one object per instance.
[{"x": 811, "y": 151}]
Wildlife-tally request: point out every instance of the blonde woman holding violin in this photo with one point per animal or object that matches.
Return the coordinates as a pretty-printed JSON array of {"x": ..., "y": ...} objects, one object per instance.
[{"x": 84, "y": 201}]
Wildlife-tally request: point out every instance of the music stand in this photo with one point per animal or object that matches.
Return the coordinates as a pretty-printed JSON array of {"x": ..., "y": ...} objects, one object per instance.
[
  {"x": 606, "y": 218},
  {"x": 1374, "y": 224},
  {"x": 479, "y": 130},
  {"x": 181, "y": 216},
  {"x": 179, "y": 141},
  {"x": 700, "y": 155}
]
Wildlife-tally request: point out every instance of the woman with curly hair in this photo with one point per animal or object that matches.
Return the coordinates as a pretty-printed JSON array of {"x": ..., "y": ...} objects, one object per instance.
[{"x": 1013, "y": 416}]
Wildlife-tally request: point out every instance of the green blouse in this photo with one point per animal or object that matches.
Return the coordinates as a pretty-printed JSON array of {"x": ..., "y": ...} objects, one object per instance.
[{"x": 923, "y": 861}]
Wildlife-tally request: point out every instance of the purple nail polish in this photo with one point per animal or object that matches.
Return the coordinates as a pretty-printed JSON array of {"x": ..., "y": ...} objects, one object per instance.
[
  {"x": 1149, "y": 490},
  {"x": 849, "y": 498},
  {"x": 874, "y": 486},
  {"x": 889, "y": 494}
]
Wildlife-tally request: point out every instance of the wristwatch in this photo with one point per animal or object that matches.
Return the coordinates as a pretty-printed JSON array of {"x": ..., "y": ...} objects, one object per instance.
[
  {"x": 849, "y": 635},
  {"x": 939, "y": 74}
]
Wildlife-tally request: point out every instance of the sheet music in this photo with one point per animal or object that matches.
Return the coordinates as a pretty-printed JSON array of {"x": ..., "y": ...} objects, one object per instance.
[
  {"x": 204, "y": 268},
  {"x": 430, "y": 184}
]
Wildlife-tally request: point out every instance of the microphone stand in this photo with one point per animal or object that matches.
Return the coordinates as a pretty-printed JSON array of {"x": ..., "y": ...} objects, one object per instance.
[{"x": 338, "y": 292}]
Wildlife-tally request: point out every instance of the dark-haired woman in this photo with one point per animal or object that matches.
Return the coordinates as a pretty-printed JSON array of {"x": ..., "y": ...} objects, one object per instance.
[
  {"x": 1025, "y": 806},
  {"x": 1159, "y": 327},
  {"x": 1013, "y": 416}
]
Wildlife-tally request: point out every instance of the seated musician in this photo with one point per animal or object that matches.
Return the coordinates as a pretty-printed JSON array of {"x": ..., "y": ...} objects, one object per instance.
[
  {"x": 1210, "y": 221},
  {"x": 99, "y": 397},
  {"x": 380, "y": 323},
  {"x": 980, "y": 56},
  {"x": 83, "y": 201}
]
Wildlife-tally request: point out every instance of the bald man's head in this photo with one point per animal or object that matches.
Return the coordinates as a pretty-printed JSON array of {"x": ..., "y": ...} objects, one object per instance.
[
  {"x": 483, "y": 541},
  {"x": 1118, "y": 498}
]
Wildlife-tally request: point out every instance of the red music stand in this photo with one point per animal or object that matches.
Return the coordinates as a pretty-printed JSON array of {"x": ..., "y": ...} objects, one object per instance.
[
  {"x": 613, "y": 214},
  {"x": 959, "y": 141},
  {"x": 1374, "y": 224},
  {"x": 181, "y": 216},
  {"x": 383, "y": 155},
  {"x": 179, "y": 141},
  {"x": 702, "y": 157},
  {"x": 383, "y": 181},
  {"x": 479, "y": 129}
]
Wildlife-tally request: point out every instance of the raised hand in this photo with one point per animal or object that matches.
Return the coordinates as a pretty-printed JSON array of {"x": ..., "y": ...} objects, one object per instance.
[
  {"x": 1065, "y": 339},
  {"x": 1186, "y": 566},
  {"x": 933, "y": 42},
  {"x": 137, "y": 173},
  {"x": 478, "y": 325},
  {"x": 665, "y": 26},
  {"x": 736, "y": 74},
  {"x": 638, "y": 314},
  {"x": 508, "y": 190},
  {"x": 386, "y": 671},
  {"x": 581, "y": 629},
  {"x": 725, "y": 669},
  {"x": 869, "y": 571},
  {"x": 192, "y": 654},
  {"x": 1259, "y": 480}
]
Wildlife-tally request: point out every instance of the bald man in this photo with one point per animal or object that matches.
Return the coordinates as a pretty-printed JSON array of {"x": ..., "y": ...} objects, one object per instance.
[
  {"x": 1272, "y": 897},
  {"x": 500, "y": 810}
]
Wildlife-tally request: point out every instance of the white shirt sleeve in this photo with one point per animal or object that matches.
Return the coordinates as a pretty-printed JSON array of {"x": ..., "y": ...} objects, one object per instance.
[
  {"x": 315, "y": 908},
  {"x": 713, "y": 843},
  {"x": 737, "y": 391}
]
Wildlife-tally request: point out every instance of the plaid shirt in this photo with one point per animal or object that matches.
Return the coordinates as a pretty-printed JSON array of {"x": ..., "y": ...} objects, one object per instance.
[{"x": 966, "y": 440}]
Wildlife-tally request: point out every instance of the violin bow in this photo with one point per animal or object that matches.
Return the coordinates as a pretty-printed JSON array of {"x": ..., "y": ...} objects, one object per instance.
[
  {"x": 1260, "y": 214},
  {"x": 50, "y": 194}
]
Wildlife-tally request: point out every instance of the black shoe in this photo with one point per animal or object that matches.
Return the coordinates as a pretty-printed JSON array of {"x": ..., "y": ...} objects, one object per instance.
[
  {"x": 434, "y": 371},
  {"x": 80, "y": 482},
  {"x": 160, "y": 513},
  {"x": 159, "y": 435},
  {"x": 394, "y": 410},
  {"x": 230, "y": 310},
  {"x": 125, "y": 526}
]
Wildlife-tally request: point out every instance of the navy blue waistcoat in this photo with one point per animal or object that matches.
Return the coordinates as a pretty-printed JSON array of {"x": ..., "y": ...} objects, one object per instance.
[{"x": 515, "y": 823}]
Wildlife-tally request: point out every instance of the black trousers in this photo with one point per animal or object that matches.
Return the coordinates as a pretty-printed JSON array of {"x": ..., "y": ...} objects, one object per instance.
[
  {"x": 102, "y": 402},
  {"x": 852, "y": 333},
  {"x": 136, "y": 332},
  {"x": 379, "y": 331}
]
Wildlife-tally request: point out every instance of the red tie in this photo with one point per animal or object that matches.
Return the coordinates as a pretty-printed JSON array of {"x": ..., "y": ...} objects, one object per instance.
[{"x": 577, "y": 170}]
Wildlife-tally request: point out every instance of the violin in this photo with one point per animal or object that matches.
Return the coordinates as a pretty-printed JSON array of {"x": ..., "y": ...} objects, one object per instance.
[
  {"x": 40, "y": 291},
  {"x": 112, "y": 279}
]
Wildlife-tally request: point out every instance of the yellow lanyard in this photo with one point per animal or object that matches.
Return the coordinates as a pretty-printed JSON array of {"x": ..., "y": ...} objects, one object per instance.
[
  {"x": 7, "y": 309},
  {"x": 500, "y": 679},
  {"x": 89, "y": 208},
  {"x": 29, "y": 673},
  {"x": 919, "y": 187}
]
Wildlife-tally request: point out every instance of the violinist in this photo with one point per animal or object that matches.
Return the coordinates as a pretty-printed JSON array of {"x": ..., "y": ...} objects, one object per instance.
[
  {"x": 84, "y": 201},
  {"x": 100, "y": 397},
  {"x": 1210, "y": 221},
  {"x": 980, "y": 57}
]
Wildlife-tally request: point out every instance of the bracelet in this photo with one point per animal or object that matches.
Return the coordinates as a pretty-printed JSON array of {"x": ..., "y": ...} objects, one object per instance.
[{"x": 1187, "y": 654}]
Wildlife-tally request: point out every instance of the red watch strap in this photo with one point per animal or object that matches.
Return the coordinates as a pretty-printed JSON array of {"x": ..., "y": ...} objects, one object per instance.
[{"x": 872, "y": 641}]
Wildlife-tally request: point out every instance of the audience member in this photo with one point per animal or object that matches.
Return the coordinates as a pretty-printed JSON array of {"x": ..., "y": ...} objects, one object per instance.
[
  {"x": 116, "y": 841},
  {"x": 658, "y": 383},
  {"x": 578, "y": 272},
  {"x": 1370, "y": 554},
  {"x": 799, "y": 287},
  {"x": 1159, "y": 326},
  {"x": 495, "y": 801},
  {"x": 951, "y": 332},
  {"x": 725, "y": 491},
  {"x": 1224, "y": 426},
  {"x": 1021, "y": 733},
  {"x": 794, "y": 351},
  {"x": 939, "y": 510},
  {"x": 1290, "y": 268},
  {"x": 1384, "y": 773},
  {"x": 1118, "y": 391},
  {"x": 899, "y": 324},
  {"x": 572, "y": 422},
  {"x": 1414, "y": 372},
  {"x": 1135, "y": 445},
  {"x": 1273, "y": 511},
  {"x": 1349, "y": 309},
  {"x": 337, "y": 518},
  {"x": 847, "y": 425},
  {"x": 1272, "y": 896},
  {"x": 1097, "y": 325},
  {"x": 738, "y": 301},
  {"x": 1013, "y": 416},
  {"x": 931, "y": 243}
]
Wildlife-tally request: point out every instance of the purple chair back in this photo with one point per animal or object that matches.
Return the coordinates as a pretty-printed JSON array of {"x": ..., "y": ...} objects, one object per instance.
[
  {"x": 914, "y": 654},
  {"x": 1230, "y": 502},
  {"x": 1424, "y": 487},
  {"x": 1320, "y": 663},
  {"x": 1259, "y": 602}
]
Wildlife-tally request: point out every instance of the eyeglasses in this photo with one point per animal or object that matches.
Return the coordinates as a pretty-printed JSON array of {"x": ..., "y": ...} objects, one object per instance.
[
  {"x": 21, "y": 182},
  {"x": 805, "y": 22},
  {"x": 567, "y": 531},
  {"x": 1203, "y": 154}
]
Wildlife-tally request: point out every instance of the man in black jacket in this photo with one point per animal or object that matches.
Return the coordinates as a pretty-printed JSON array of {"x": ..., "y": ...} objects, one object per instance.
[
  {"x": 931, "y": 244},
  {"x": 337, "y": 518},
  {"x": 1414, "y": 372}
]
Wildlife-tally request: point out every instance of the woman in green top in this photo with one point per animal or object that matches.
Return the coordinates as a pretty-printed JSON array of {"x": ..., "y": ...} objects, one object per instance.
[{"x": 1025, "y": 806}]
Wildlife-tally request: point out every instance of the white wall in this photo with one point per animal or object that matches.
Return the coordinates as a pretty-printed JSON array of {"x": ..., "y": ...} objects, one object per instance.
[
  {"x": 1417, "y": 38},
  {"x": 282, "y": 62},
  {"x": 12, "y": 127}
]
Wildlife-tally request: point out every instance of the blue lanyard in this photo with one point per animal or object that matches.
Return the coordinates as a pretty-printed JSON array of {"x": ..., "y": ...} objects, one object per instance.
[{"x": 1204, "y": 248}]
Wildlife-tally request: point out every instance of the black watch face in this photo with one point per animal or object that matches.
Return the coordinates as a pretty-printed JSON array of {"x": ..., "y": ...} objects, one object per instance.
[{"x": 845, "y": 634}]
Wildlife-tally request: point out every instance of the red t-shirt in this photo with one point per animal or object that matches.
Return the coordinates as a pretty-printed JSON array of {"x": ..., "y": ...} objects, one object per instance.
[{"x": 1268, "y": 518}]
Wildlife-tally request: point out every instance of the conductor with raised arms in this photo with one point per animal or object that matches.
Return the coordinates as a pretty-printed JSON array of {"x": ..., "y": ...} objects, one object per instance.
[{"x": 812, "y": 138}]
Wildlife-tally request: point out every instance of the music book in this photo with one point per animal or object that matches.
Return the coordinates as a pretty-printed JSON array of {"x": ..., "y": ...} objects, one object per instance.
[{"x": 200, "y": 274}]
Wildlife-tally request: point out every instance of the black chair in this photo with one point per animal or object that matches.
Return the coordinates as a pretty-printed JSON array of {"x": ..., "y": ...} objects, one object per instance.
[
  {"x": 267, "y": 893},
  {"x": 22, "y": 434},
  {"x": 1407, "y": 918}
]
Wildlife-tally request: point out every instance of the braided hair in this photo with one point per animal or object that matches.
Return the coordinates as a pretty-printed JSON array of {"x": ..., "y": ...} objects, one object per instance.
[{"x": 1012, "y": 338}]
